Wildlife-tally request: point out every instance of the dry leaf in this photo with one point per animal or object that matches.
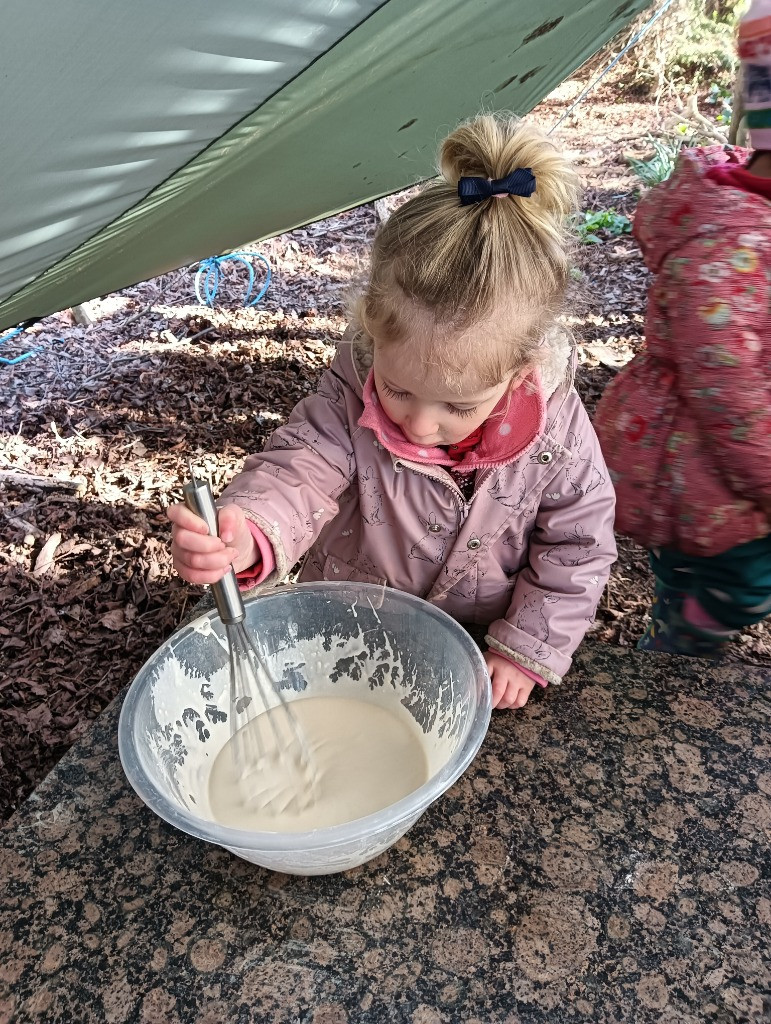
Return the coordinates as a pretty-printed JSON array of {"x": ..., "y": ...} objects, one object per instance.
[
  {"x": 114, "y": 619},
  {"x": 45, "y": 559}
]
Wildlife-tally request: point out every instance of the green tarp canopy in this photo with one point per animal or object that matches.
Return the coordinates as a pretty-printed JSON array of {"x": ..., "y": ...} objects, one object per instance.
[{"x": 144, "y": 136}]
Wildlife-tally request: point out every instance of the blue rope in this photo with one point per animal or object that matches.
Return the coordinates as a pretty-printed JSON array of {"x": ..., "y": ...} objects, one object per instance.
[
  {"x": 208, "y": 275},
  {"x": 19, "y": 359}
]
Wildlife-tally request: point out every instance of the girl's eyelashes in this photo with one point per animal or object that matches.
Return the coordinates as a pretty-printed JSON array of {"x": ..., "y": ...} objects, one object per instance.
[
  {"x": 401, "y": 396},
  {"x": 398, "y": 395}
]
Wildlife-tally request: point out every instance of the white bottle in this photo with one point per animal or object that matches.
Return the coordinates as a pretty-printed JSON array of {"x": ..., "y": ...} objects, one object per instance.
[{"x": 755, "y": 55}]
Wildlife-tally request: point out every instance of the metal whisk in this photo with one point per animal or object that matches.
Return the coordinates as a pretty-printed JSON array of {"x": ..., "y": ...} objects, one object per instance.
[{"x": 253, "y": 691}]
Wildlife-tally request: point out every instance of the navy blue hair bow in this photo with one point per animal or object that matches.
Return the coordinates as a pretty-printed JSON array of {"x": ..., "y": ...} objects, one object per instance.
[{"x": 520, "y": 182}]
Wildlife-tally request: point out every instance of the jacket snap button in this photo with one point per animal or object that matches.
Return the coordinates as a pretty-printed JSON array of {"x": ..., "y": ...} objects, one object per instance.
[
  {"x": 435, "y": 528},
  {"x": 545, "y": 458},
  {"x": 474, "y": 543}
]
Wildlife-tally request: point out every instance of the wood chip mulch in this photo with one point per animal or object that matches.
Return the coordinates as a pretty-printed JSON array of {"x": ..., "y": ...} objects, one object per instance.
[{"x": 97, "y": 427}]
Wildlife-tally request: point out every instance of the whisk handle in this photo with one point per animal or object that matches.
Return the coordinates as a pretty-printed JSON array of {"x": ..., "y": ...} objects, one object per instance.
[{"x": 227, "y": 597}]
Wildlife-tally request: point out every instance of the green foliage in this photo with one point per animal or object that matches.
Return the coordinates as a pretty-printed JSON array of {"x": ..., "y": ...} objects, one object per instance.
[
  {"x": 595, "y": 226},
  {"x": 658, "y": 167},
  {"x": 692, "y": 44},
  {"x": 721, "y": 98},
  {"x": 707, "y": 49}
]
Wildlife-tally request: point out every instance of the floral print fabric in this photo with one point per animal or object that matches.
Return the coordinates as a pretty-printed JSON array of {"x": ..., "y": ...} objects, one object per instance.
[{"x": 686, "y": 426}]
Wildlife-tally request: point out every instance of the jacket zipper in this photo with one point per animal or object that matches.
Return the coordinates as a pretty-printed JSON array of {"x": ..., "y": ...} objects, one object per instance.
[{"x": 449, "y": 483}]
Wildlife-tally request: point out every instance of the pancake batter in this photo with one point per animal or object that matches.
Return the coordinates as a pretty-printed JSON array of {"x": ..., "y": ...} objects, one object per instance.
[{"x": 360, "y": 759}]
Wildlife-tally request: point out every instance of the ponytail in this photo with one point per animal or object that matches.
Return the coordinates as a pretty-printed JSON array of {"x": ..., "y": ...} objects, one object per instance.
[{"x": 464, "y": 264}]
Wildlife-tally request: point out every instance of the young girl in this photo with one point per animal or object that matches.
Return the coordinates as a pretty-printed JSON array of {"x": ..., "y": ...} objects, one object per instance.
[
  {"x": 445, "y": 452},
  {"x": 686, "y": 426}
]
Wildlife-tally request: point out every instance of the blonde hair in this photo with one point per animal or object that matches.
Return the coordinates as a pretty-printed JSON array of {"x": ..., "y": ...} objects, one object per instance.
[{"x": 500, "y": 263}]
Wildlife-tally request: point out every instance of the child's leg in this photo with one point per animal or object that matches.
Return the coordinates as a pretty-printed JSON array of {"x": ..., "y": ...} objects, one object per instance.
[
  {"x": 702, "y": 602},
  {"x": 734, "y": 588},
  {"x": 666, "y": 629}
]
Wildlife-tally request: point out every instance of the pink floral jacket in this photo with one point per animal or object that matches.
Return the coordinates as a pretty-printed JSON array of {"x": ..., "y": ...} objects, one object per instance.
[
  {"x": 686, "y": 426},
  {"x": 527, "y": 556}
]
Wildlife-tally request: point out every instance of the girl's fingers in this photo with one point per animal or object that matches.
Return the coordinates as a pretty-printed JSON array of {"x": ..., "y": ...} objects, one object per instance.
[
  {"x": 183, "y": 517},
  {"x": 498, "y": 689},
  {"x": 514, "y": 695},
  {"x": 186, "y": 540},
  {"x": 200, "y": 576},
  {"x": 511, "y": 705},
  {"x": 216, "y": 561},
  {"x": 230, "y": 522},
  {"x": 199, "y": 557},
  {"x": 520, "y": 696}
]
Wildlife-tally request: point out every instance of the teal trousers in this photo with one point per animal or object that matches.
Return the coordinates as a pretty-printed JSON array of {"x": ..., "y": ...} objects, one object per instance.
[{"x": 734, "y": 587}]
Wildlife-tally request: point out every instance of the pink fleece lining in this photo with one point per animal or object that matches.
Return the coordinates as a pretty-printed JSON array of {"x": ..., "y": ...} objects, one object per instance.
[
  {"x": 264, "y": 564},
  {"x": 508, "y": 430}
]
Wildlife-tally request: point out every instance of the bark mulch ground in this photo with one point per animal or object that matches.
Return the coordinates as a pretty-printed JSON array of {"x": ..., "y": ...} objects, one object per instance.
[{"x": 97, "y": 427}]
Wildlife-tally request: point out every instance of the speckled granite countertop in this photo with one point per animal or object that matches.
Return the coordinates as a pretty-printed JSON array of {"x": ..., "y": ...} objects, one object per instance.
[{"x": 606, "y": 858}]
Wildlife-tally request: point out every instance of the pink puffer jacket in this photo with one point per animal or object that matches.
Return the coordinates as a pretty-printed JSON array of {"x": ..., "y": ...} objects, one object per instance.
[
  {"x": 686, "y": 426},
  {"x": 528, "y": 556}
]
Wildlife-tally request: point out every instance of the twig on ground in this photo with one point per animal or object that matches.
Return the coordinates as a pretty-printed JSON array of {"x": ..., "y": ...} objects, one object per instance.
[
  {"x": 21, "y": 479},
  {"x": 23, "y": 525},
  {"x": 702, "y": 127},
  {"x": 135, "y": 316},
  {"x": 102, "y": 374},
  {"x": 200, "y": 334}
]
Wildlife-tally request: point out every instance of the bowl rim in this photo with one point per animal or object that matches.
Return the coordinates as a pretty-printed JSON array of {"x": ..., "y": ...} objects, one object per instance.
[{"x": 409, "y": 807}]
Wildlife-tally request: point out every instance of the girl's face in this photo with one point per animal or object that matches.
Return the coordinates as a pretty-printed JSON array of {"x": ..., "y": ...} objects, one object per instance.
[{"x": 429, "y": 414}]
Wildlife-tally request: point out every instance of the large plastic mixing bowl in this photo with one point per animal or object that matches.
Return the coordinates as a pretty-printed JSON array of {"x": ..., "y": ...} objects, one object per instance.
[{"x": 345, "y": 639}]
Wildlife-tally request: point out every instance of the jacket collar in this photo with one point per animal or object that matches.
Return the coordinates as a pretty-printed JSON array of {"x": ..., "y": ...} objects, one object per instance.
[{"x": 509, "y": 430}]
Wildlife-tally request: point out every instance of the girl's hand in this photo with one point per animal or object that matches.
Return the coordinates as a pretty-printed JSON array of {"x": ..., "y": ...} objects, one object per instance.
[
  {"x": 511, "y": 688},
  {"x": 201, "y": 558}
]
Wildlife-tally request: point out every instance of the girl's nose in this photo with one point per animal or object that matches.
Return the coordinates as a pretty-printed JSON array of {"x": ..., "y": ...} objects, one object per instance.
[{"x": 422, "y": 423}]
